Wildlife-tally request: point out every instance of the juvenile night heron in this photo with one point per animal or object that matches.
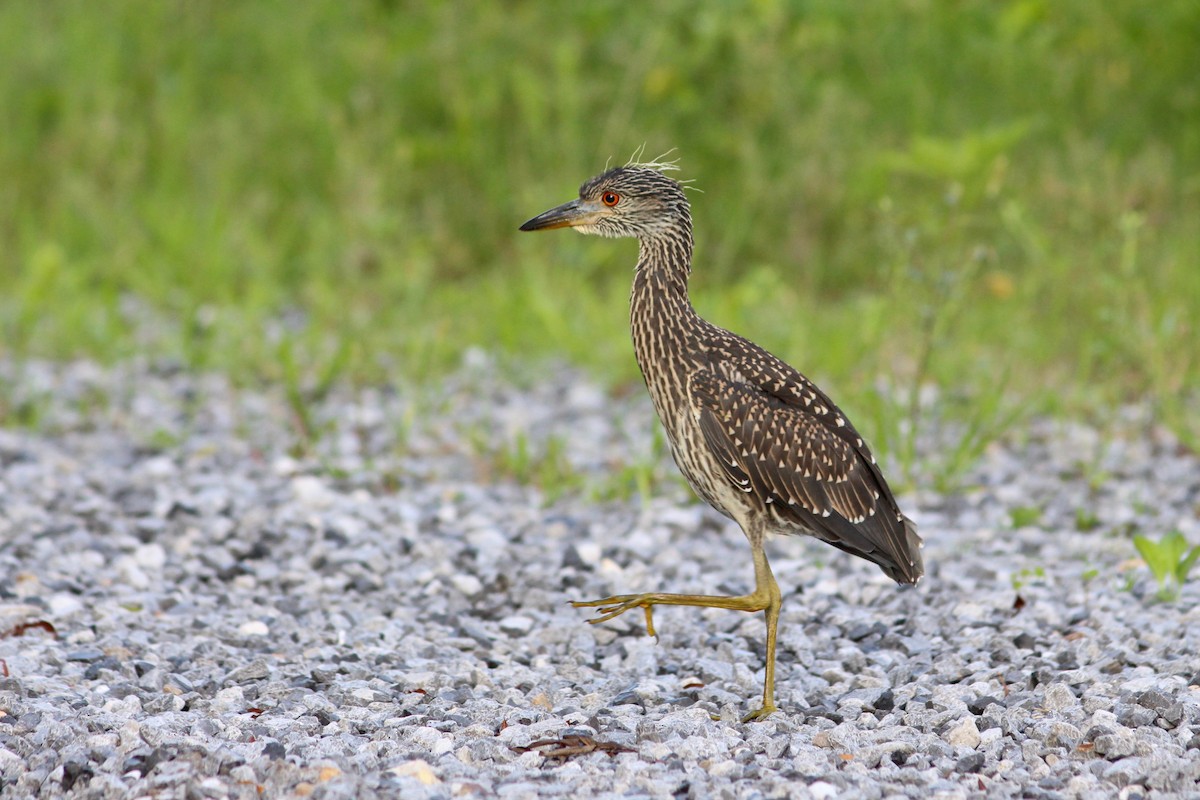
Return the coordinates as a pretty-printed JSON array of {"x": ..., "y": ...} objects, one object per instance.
[{"x": 754, "y": 438}]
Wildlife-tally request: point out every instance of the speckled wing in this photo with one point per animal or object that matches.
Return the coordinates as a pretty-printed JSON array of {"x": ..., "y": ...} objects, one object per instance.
[{"x": 781, "y": 440}]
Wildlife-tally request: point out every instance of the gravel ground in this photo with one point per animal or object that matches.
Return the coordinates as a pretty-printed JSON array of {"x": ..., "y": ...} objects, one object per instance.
[{"x": 188, "y": 608}]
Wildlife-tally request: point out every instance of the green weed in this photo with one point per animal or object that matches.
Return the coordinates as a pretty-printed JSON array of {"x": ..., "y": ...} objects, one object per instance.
[
  {"x": 1085, "y": 520},
  {"x": 1025, "y": 516},
  {"x": 162, "y": 440},
  {"x": 305, "y": 388},
  {"x": 546, "y": 467},
  {"x": 18, "y": 409},
  {"x": 1169, "y": 559},
  {"x": 640, "y": 478},
  {"x": 1023, "y": 577}
]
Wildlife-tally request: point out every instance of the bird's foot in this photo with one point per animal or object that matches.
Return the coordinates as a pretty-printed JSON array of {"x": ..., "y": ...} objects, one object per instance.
[
  {"x": 760, "y": 714},
  {"x": 617, "y": 605}
]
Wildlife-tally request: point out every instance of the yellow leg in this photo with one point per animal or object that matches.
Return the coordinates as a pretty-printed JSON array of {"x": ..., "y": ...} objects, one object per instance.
[{"x": 765, "y": 597}]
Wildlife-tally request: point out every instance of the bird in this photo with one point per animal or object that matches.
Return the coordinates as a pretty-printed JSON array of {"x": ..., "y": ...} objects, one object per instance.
[{"x": 755, "y": 439}]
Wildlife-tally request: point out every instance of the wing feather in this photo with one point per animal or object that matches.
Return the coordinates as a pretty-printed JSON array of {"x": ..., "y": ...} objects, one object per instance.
[{"x": 779, "y": 438}]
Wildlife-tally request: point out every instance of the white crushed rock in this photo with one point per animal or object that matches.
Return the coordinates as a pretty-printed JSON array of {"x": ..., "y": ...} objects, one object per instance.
[{"x": 193, "y": 607}]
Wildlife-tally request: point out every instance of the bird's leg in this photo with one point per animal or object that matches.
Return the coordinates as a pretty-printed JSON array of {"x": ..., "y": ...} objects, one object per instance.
[
  {"x": 765, "y": 597},
  {"x": 763, "y": 574}
]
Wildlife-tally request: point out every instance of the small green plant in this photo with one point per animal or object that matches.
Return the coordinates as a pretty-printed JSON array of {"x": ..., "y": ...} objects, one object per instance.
[
  {"x": 1085, "y": 520},
  {"x": 550, "y": 469},
  {"x": 1024, "y": 516},
  {"x": 518, "y": 460},
  {"x": 1090, "y": 574},
  {"x": 1026, "y": 575},
  {"x": 638, "y": 478},
  {"x": 556, "y": 475},
  {"x": 624, "y": 483},
  {"x": 303, "y": 392},
  {"x": 984, "y": 421},
  {"x": 16, "y": 410},
  {"x": 1170, "y": 559},
  {"x": 161, "y": 440}
]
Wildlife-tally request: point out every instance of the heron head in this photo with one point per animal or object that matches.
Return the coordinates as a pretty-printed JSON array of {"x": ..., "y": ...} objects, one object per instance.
[{"x": 635, "y": 200}]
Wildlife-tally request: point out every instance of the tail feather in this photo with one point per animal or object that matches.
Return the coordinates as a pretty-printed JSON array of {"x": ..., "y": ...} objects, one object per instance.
[
  {"x": 909, "y": 567},
  {"x": 898, "y": 553}
]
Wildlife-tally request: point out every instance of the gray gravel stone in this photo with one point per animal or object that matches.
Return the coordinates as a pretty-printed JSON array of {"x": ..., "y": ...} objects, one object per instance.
[
  {"x": 200, "y": 601},
  {"x": 963, "y": 734}
]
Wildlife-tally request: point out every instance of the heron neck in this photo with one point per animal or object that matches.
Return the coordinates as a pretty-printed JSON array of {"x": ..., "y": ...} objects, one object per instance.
[
  {"x": 665, "y": 259},
  {"x": 662, "y": 319},
  {"x": 660, "y": 309}
]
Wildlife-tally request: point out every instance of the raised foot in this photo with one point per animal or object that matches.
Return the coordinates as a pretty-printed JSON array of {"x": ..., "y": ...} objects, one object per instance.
[
  {"x": 760, "y": 714},
  {"x": 617, "y": 605}
]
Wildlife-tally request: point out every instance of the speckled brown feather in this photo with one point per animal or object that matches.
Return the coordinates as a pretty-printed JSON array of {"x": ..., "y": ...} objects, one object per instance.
[
  {"x": 795, "y": 457},
  {"x": 755, "y": 438}
]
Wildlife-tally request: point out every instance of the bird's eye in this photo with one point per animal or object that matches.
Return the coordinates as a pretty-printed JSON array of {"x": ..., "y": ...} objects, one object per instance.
[{"x": 610, "y": 199}]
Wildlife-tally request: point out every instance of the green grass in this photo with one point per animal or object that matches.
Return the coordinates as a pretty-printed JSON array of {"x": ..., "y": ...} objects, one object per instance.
[
  {"x": 1025, "y": 516},
  {"x": 997, "y": 199},
  {"x": 1170, "y": 559},
  {"x": 546, "y": 467}
]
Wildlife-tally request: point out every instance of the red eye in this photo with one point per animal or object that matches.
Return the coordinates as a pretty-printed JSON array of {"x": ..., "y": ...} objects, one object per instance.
[{"x": 610, "y": 199}]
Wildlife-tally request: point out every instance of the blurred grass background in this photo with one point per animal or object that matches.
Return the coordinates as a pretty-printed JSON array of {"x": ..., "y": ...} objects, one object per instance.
[{"x": 1000, "y": 200}]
